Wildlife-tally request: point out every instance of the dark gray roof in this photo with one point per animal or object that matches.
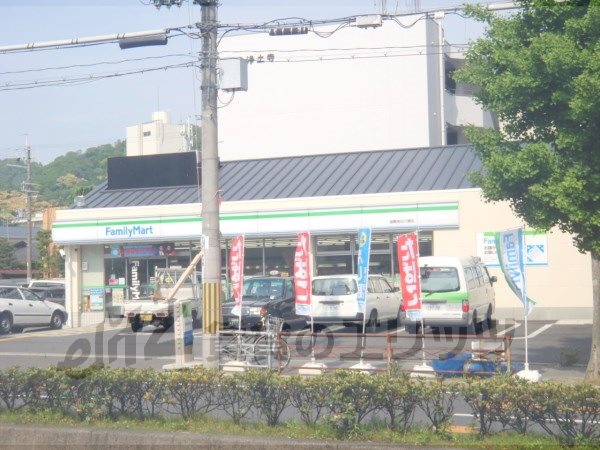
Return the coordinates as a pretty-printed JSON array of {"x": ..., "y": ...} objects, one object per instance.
[{"x": 385, "y": 171}]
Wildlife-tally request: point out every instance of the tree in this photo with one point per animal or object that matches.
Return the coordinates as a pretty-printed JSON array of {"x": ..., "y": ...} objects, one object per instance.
[
  {"x": 539, "y": 70},
  {"x": 50, "y": 263},
  {"x": 8, "y": 260}
]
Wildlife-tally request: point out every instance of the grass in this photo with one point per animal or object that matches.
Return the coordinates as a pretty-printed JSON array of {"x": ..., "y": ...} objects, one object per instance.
[{"x": 374, "y": 432}]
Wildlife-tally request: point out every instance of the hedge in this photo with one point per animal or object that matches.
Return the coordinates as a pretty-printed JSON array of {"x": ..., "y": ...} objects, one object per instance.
[{"x": 344, "y": 400}]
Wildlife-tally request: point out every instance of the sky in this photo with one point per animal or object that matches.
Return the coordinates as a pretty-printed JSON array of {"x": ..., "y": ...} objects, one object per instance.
[{"x": 71, "y": 117}]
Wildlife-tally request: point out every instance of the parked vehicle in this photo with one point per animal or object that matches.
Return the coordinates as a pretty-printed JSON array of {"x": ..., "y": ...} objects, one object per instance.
[
  {"x": 262, "y": 296},
  {"x": 20, "y": 307},
  {"x": 55, "y": 294},
  {"x": 455, "y": 292},
  {"x": 54, "y": 282},
  {"x": 334, "y": 300},
  {"x": 158, "y": 312}
]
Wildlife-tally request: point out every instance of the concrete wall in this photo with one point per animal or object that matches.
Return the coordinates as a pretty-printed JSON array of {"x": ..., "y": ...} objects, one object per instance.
[{"x": 343, "y": 96}]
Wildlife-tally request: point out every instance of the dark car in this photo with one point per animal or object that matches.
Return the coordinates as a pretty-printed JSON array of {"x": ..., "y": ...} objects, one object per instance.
[
  {"x": 54, "y": 294},
  {"x": 272, "y": 295}
]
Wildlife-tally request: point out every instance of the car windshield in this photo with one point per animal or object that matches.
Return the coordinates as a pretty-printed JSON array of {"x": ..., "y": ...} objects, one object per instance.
[
  {"x": 439, "y": 279},
  {"x": 334, "y": 286},
  {"x": 262, "y": 287}
]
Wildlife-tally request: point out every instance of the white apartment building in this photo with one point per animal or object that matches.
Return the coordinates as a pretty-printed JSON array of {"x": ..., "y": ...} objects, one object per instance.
[
  {"x": 359, "y": 89},
  {"x": 156, "y": 137}
]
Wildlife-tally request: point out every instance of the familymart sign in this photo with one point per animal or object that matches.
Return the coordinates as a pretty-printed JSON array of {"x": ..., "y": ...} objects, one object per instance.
[{"x": 381, "y": 218}]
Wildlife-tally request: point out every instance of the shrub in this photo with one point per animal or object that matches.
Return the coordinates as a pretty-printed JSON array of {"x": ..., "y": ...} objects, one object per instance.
[
  {"x": 311, "y": 397},
  {"x": 437, "y": 402},
  {"x": 271, "y": 393},
  {"x": 399, "y": 395},
  {"x": 192, "y": 391},
  {"x": 235, "y": 396}
]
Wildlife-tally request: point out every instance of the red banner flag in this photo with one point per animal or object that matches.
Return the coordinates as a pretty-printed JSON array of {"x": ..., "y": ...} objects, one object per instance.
[
  {"x": 236, "y": 272},
  {"x": 302, "y": 285},
  {"x": 408, "y": 265}
]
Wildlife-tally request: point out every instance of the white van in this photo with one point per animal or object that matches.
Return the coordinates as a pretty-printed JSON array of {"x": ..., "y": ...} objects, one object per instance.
[
  {"x": 455, "y": 292},
  {"x": 334, "y": 300}
]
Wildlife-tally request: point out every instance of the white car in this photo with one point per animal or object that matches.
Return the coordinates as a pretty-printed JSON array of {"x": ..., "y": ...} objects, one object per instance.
[
  {"x": 20, "y": 308},
  {"x": 334, "y": 300}
]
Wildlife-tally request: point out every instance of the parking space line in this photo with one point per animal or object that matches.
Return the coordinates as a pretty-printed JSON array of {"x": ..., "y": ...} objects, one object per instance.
[
  {"x": 506, "y": 330},
  {"x": 536, "y": 332}
]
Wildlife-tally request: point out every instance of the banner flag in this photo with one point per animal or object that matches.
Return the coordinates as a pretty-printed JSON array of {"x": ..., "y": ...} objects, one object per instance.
[
  {"x": 302, "y": 275},
  {"x": 410, "y": 276},
  {"x": 236, "y": 273},
  {"x": 364, "y": 254},
  {"x": 509, "y": 246}
]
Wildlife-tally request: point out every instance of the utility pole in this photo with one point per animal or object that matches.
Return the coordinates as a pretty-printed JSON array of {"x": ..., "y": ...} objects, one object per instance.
[
  {"x": 211, "y": 281},
  {"x": 209, "y": 178},
  {"x": 27, "y": 188}
]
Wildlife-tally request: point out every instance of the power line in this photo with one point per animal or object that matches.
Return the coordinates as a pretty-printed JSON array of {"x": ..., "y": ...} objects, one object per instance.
[
  {"x": 99, "y": 63},
  {"x": 86, "y": 79}
]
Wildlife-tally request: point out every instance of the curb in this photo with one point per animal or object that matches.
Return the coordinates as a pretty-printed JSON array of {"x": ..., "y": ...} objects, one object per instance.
[{"x": 19, "y": 437}]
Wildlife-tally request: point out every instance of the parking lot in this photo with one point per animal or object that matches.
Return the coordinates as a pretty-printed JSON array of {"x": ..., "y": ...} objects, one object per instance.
[{"x": 558, "y": 349}]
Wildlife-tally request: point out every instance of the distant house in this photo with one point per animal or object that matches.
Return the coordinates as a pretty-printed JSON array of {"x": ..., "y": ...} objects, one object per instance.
[{"x": 17, "y": 236}]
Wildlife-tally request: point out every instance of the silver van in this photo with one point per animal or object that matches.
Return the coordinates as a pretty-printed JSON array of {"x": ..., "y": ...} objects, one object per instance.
[
  {"x": 455, "y": 292},
  {"x": 334, "y": 300}
]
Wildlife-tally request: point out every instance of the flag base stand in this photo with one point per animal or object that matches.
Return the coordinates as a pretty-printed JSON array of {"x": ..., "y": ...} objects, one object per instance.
[
  {"x": 423, "y": 371},
  {"x": 236, "y": 366},
  {"x": 364, "y": 367},
  {"x": 312, "y": 368},
  {"x": 530, "y": 375}
]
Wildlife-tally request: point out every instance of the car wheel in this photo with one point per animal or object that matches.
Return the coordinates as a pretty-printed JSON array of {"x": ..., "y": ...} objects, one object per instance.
[
  {"x": 413, "y": 328},
  {"x": 196, "y": 322},
  {"x": 56, "y": 321},
  {"x": 373, "y": 323},
  {"x": 5, "y": 323},
  {"x": 490, "y": 323},
  {"x": 136, "y": 324}
]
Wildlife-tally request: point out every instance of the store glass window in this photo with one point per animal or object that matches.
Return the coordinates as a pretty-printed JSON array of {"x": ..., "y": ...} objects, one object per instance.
[
  {"x": 253, "y": 257},
  {"x": 279, "y": 255},
  {"x": 334, "y": 243},
  {"x": 334, "y": 264}
]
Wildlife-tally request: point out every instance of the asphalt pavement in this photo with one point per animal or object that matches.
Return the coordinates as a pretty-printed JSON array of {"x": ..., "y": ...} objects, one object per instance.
[{"x": 557, "y": 349}]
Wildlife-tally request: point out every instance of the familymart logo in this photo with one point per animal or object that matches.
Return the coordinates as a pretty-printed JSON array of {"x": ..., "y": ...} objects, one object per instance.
[{"x": 128, "y": 231}]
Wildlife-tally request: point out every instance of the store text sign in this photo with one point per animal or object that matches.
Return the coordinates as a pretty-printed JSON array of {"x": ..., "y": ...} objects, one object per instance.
[{"x": 129, "y": 231}]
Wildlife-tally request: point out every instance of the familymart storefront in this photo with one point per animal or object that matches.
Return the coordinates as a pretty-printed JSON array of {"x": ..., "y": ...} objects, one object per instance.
[{"x": 111, "y": 253}]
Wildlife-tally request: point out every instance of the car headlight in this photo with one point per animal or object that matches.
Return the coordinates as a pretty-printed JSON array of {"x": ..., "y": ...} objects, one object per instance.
[{"x": 254, "y": 311}]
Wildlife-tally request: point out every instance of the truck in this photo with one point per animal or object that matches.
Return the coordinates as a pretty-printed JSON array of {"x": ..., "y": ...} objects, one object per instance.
[{"x": 156, "y": 309}]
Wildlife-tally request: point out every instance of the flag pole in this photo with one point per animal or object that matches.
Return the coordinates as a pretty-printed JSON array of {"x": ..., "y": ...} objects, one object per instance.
[{"x": 525, "y": 302}]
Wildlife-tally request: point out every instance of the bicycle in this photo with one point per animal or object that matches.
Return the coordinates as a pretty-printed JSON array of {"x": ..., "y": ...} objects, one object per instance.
[{"x": 262, "y": 348}]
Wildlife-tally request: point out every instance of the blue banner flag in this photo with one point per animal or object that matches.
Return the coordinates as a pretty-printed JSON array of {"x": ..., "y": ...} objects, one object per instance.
[
  {"x": 509, "y": 245},
  {"x": 364, "y": 253}
]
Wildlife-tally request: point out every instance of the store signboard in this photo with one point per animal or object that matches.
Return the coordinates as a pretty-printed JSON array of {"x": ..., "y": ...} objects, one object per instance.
[
  {"x": 536, "y": 248},
  {"x": 380, "y": 218}
]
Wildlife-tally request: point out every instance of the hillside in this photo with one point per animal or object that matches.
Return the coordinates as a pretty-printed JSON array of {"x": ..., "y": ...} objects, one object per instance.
[{"x": 58, "y": 182}]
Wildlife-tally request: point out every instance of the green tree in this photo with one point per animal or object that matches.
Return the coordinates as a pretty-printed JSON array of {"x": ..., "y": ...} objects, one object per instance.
[
  {"x": 50, "y": 263},
  {"x": 8, "y": 260},
  {"x": 539, "y": 70}
]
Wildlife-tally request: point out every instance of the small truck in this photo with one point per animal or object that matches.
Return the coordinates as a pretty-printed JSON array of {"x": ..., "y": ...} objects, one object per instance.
[{"x": 156, "y": 310}]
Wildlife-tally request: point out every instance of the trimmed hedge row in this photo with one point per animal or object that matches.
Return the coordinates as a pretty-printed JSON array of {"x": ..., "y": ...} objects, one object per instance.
[{"x": 343, "y": 399}]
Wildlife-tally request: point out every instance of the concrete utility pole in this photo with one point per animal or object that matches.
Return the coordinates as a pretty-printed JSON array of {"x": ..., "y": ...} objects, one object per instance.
[
  {"x": 209, "y": 178},
  {"x": 211, "y": 281},
  {"x": 27, "y": 188}
]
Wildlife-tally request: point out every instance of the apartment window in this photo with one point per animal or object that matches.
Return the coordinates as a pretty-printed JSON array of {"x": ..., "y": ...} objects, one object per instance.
[{"x": 147, "y": 133}]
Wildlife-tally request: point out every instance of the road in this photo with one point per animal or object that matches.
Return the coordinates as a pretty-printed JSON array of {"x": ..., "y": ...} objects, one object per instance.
[{"x": 550, "y": 343}]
